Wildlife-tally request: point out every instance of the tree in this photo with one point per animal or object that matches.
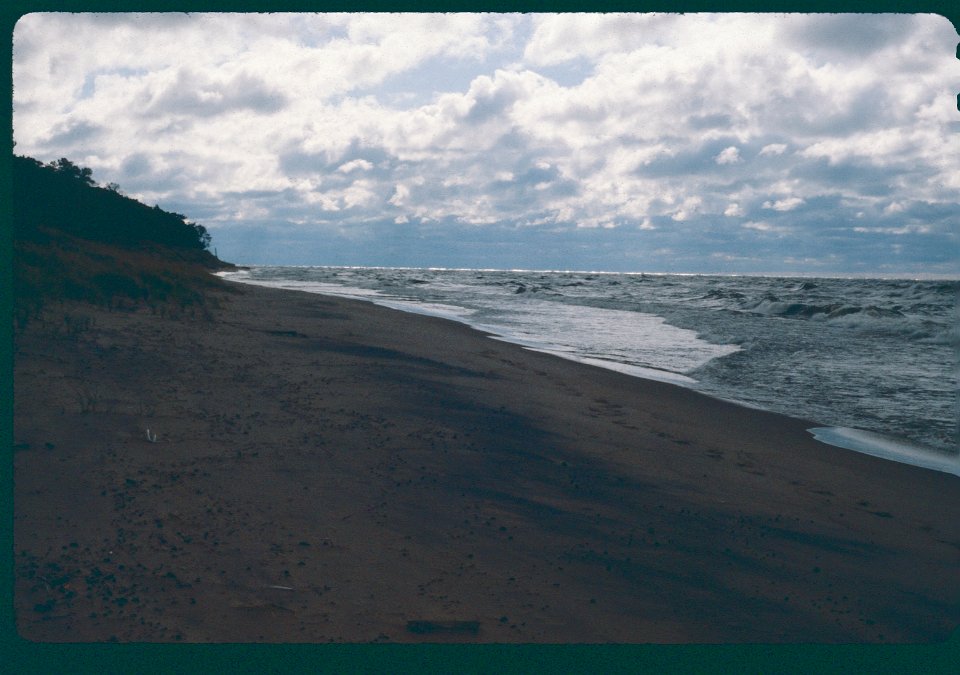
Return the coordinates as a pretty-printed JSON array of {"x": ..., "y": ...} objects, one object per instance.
[
  {"x": 203, "y": 237},
  {"x": 67, "y": 168}
]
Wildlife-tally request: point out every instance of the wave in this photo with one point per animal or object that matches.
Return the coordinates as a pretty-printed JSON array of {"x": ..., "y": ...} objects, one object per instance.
[
  {"x": 861, "y": 318},
  {"x": 723, "y": 294}
]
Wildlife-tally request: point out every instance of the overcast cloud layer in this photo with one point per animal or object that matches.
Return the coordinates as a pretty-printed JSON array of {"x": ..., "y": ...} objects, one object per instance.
[{"x": 697, "y": 143}]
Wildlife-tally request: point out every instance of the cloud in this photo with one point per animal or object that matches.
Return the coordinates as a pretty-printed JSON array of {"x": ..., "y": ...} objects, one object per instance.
[
  {"x": 905, "y": 229},
  {"x": 563, "y": 37},
  {"x": 202, "y": 95},
  {"x": 355, "y": 165},
  {"x": 761, "y": 226},
  {"x": 689, "y": 207},
  {"x": 773, "y": 149},
  {"x": 712, "y": 121},
  {"x": 689, "y": 132},
  {"x": 733, "y": 210},
  {"x": 787, "y": 204},
  {"x": 729, "y": 155},
  {"x": 842, "y": 36},
  {"x": 859, "y": 177},
  {"x": 73, "y": 132}
]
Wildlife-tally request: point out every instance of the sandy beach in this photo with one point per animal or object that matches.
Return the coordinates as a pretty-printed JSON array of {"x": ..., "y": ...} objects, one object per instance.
[{"x": 328, "y": 470}]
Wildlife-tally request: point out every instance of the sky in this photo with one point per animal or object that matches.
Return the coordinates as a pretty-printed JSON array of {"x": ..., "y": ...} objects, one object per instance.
[{"x": 703, "y": 143}]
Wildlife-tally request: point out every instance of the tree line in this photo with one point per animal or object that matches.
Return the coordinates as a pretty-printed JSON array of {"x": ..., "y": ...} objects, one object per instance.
[{"x": 63, "y": 196}]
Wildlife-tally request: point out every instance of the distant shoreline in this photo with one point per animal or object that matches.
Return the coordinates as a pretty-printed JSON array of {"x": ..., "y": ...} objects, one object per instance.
[{"x": 793, "y": 275}]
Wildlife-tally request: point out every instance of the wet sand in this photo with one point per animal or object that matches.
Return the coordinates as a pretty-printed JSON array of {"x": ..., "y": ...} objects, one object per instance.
[{"x": 329, "y": 470}]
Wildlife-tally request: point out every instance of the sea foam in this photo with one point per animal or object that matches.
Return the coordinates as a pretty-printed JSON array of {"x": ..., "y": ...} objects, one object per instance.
[{"x": 885, "y": 447}]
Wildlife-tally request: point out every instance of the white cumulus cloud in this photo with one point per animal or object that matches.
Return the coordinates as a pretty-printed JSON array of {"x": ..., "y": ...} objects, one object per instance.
[
  {"x": 733, "y": 210},
  {"x": 787, "y": 204},
  {"x": 774, "y": 149},
  {"x": 729, "y": 155}
]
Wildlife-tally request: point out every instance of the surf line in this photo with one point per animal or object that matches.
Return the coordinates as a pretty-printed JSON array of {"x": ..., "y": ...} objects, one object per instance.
[{"x": 878, "y": 445}]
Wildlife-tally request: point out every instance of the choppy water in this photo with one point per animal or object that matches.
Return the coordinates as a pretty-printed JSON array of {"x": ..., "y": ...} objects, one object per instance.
[{"x": 874, "y": 354}]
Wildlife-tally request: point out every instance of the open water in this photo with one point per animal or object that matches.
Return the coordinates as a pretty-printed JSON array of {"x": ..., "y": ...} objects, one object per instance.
[{"x": 872, "y": 360}]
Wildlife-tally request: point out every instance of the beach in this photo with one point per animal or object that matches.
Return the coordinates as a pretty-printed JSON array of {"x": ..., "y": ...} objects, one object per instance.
[{"x": 323, "y": 469}]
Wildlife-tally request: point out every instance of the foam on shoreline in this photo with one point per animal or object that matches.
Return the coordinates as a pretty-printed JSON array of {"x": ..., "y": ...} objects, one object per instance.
[
  {"x": 885, "y": 447},
  {"x": 465, "y": 316}
]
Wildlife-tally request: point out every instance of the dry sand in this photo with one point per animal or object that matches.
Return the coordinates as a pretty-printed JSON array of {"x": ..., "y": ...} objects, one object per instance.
[{"x": 329, "y": 470}]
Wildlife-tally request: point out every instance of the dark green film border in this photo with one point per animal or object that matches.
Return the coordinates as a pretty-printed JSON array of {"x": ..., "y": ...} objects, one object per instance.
[{"x": 20, "y": 656}]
